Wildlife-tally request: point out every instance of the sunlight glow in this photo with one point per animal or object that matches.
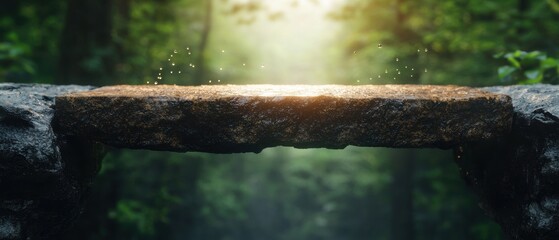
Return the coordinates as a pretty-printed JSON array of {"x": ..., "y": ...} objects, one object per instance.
[
  {"x": 291, "y": 39},
  {"x": 287, "y": 90}
]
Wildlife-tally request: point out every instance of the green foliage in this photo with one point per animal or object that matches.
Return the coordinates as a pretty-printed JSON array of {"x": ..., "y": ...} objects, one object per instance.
[
  {"x": 281, "y": 193},
  {"x": 528, "y": 68},
  {"x": 462, "y": 37},
  {"x": 554, "y": 5},
  {"x": 150, "y": 33},
  {"x": 14, "y": 59},
  {"x": 142, "y": 218},
  {"x": 29, "y": 40}
]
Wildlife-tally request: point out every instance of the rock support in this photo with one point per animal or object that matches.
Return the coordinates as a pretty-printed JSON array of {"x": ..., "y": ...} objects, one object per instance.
[
  {"x": 43, "y": 175},
  {"x": 517, "y": 177}
]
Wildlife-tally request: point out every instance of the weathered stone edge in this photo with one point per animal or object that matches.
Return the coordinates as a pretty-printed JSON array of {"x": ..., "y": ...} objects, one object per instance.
[{"x": 203, "y": 131}]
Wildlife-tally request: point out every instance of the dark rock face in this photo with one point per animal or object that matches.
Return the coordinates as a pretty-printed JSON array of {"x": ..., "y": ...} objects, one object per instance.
[
  {"x": 517, "y": 178},
  {"x": 226, "y": 119},
  {"x": 41, "y": 181}
]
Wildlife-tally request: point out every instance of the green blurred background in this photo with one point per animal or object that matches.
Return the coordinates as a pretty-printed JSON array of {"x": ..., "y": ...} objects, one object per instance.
[{"x": 281, "y": 193}]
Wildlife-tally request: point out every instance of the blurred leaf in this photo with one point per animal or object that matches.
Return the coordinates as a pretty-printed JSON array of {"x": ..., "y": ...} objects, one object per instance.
[
  {"x": 533, "y": 74},
  {"x": 528, "y": 68},
  {"x": 519, "y": 54},
  {"x": 14, "y": 59},
  {"x": 505, "y": 71},
  {"x": 514, "y": 62},
  {"x": 535, "y": 55},
  {"x": 549, "y": 63},
  {"x": 135, "y": 213},
  {"x": 554, "y": 5}
]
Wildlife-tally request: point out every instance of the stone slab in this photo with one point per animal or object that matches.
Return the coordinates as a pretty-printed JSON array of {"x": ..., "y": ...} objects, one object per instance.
[{"x": 249, "y": 118}]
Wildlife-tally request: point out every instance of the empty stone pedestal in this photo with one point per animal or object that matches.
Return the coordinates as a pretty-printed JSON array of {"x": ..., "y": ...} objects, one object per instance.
[{"x": 507, "y": 149}]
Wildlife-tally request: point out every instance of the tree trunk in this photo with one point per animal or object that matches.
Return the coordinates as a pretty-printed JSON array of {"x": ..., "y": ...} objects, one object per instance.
[
  {"x": 200, "y": 75},
  {"x": 523, "y": 7},
  {"x": 122, "y": 27},
  {"x": 402, "y": 222},
  {"x": 86, "y": 43}
]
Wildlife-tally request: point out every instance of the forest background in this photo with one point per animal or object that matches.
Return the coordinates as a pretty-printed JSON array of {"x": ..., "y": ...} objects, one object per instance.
[{"x": 281, "y": 193}]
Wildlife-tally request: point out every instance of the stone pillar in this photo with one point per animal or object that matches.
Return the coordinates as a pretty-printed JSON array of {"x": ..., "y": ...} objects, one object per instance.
[
  {"x": 43, "y": 175},
  {"x": 517, "y": 178}
]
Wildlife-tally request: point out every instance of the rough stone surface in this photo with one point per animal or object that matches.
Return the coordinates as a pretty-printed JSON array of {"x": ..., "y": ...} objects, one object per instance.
[
  {"x": 227, "y": 118},
  {"x": 41, "y": 182},
  {"x": 517, "y": 178}
]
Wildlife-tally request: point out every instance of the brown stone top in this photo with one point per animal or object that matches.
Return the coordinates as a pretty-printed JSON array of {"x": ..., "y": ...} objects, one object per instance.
[
  {"x": 443, "y": 93},
  {"x": 240, "y": 118}
]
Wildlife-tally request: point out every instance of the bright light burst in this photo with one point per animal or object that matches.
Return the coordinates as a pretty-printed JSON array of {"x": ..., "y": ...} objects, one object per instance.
[{"x": 291, "y": 38}]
